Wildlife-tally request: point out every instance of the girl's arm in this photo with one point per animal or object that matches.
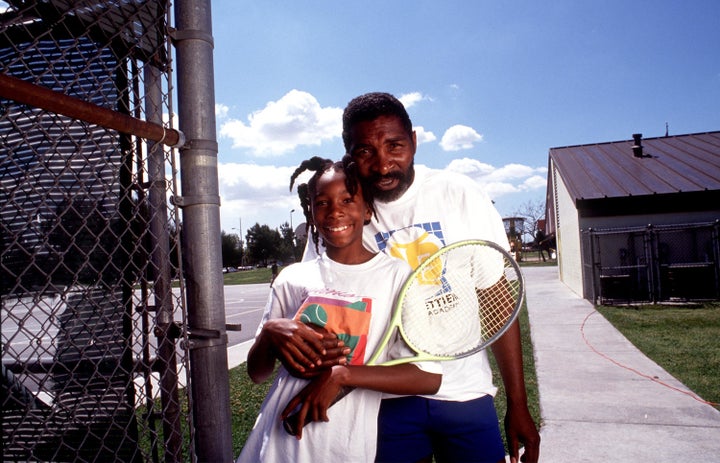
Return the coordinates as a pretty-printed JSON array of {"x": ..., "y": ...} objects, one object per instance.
[
  {"x": 301, "y": 349},
  {"x": 406, "y": 379},
  {"x": 319, "y": 394}
]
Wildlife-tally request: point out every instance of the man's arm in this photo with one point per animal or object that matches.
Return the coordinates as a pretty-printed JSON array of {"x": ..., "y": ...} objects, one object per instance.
[{"x": 519, "y": 425}]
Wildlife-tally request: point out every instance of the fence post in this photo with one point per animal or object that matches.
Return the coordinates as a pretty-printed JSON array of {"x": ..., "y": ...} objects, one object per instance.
[
  {"x": 716, "y": 254},
  {"x": 210, "y": 389},
  {"x": 594, "y": 277},
  {"x": 166, "y": 363},
  {"x": 652, "y": 263}
]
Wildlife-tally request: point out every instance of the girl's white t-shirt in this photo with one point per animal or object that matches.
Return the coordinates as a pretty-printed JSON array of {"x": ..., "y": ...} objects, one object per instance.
[{"x": 370, "y": 289}]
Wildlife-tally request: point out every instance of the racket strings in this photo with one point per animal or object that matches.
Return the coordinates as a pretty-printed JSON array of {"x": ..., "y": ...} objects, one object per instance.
[
  {"x": 436, "y": 313},
  {"x": 467, "y": 300},
  {"x": 496, "y": 306}
]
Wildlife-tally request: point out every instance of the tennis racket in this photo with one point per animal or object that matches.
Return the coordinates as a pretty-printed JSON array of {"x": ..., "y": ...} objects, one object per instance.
[{"x": 454, "y": 304}]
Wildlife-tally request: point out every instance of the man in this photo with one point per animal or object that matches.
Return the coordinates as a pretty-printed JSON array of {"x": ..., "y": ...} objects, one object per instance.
[{"x": 419, "y": 211}]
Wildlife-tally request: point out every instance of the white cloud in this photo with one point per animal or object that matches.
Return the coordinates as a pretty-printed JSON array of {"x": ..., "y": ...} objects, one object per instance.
[
  {"x": 409, "y": 99},
  {"x": 497, "y": 189},
  {"x": 221, "y": 111},
  {"x": 500, "y": 181},
  {"x": 459, "y": 137},
  {"x": 455, "y": 92},
  {"x": 470, "y": 167},
  {"x": 424, "y": 136},
  {"x": 252, "y": 181},
  {"x": 512, "y": 172},
  {"x": 536, "y": 182},
  {"x": 253, "y": 193},
  {"x": 295, "y": 119}
]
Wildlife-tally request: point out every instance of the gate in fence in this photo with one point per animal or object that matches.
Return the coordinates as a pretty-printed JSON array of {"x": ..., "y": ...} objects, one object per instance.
[
  {"x": 97, "y": 334},
  {"x": 652, "y": 264}
]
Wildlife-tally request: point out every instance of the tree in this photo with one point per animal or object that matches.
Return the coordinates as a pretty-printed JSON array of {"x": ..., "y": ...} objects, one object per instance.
[
  {"x": 532, "y": 212},
  {"x": 263, "y": 243},
  {"x": 300, "y": 243},
  {"x": 231, "y": 252},
  {"x": 287, "y": 250}
]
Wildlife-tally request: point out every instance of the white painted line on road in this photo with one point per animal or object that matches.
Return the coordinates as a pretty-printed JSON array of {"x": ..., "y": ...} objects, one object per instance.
[
  {"x": 26, "y": 342},
  {"x": 243, "y": 313},
  {"x": 237, "y": 354}
]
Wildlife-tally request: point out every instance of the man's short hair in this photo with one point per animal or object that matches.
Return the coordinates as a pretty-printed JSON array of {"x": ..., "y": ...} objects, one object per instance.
[{"x": 369, "y": 107}]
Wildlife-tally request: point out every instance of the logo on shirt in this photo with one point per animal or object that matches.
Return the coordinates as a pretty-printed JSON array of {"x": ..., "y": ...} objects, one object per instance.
[
  {"x": 345, "y": 315},
  {"x": 412, "y": 244}
]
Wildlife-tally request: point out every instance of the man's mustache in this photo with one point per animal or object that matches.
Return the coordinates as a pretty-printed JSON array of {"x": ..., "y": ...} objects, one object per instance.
[{"x": 374, "y": 178}]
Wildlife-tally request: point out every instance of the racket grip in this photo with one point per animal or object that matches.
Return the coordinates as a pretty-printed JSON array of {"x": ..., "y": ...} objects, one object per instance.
[{"x": 292, "y": 425}]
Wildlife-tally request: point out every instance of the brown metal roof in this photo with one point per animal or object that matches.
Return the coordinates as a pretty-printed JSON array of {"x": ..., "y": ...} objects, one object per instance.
[{"x": 680, "y": 163}]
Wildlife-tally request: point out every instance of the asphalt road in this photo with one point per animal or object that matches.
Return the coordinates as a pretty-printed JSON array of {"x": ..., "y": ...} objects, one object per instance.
[
  {"x": 31, "y": 326},
  {"x": 31, "y": 330},
  {"x": 244, "y": 304}
]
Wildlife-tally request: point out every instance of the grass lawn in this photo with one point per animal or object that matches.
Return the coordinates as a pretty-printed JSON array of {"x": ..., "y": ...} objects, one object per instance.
[
  {"x": 530, "y": 377},
  {"x": 533, "y": 258},
  {"x": 681, "y": 339},
  {"x": 245, "y": 400},
  {"x": 247, "y": 277}
]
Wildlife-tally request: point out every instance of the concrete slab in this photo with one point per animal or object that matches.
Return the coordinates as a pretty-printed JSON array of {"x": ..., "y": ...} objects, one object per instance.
[{"x": 601, "y": 399}]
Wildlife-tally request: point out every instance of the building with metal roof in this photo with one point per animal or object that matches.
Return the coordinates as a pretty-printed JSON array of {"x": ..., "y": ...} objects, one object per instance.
[{"x": 631, "y": 215}]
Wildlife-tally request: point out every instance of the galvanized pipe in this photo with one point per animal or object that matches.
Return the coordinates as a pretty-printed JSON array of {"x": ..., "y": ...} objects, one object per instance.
[
  {"x": 209, "y": 378},
  {"x": 166, "y": 362},
  {"x": 18, "y": 90}
]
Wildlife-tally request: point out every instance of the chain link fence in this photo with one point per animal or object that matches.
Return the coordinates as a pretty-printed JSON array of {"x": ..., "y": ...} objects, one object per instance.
[
  {"x": 95, "y": 345},
  {"x": 662, "y": 263}
]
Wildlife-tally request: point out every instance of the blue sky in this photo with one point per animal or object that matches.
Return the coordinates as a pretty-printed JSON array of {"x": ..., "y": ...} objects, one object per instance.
[{"x": 490, "y": 86}]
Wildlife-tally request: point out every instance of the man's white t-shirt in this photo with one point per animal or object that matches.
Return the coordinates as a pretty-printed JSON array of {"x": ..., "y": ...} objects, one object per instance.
[{"x": 438, "y": 209}]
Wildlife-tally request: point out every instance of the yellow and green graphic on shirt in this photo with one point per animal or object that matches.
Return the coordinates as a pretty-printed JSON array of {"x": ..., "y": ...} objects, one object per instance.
[{"x": 414, "y": 245}]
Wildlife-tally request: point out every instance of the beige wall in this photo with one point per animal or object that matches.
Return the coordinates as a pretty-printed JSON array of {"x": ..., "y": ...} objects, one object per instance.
[{"x": 568, "y": 237}]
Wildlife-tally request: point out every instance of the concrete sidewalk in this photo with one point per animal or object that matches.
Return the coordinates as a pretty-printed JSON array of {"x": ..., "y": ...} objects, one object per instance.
[{"x": 601, "y": 399}]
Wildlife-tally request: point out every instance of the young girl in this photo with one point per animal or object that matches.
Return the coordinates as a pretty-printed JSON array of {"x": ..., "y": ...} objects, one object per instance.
[{"x": 348, "y": 291}]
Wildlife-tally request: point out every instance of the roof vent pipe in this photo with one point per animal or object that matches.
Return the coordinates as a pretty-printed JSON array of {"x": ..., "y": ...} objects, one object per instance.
[{"x": 637, "y": 147}]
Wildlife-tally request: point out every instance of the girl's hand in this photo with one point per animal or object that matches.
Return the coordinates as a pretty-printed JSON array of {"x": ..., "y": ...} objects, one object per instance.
[
  {"x": 302, "y": 349},
  {"x": 312, "y": 402}
]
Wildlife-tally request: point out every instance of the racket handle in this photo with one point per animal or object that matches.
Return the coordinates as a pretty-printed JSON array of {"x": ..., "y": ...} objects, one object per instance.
[{"x": 292, "y": 425}]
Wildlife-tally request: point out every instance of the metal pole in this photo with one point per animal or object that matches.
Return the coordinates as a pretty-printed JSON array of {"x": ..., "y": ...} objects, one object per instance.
[
  {"x": 200, "y": 201},
  {"x": 166, "y": 363}
]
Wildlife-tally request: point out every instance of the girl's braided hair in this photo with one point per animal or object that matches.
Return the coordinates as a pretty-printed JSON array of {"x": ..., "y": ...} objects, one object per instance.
[{"x": 306, "y": 191}]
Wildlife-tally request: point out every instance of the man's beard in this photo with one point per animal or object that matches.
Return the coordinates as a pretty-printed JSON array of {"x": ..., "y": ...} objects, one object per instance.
[{"x": 387, "y": 196}]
